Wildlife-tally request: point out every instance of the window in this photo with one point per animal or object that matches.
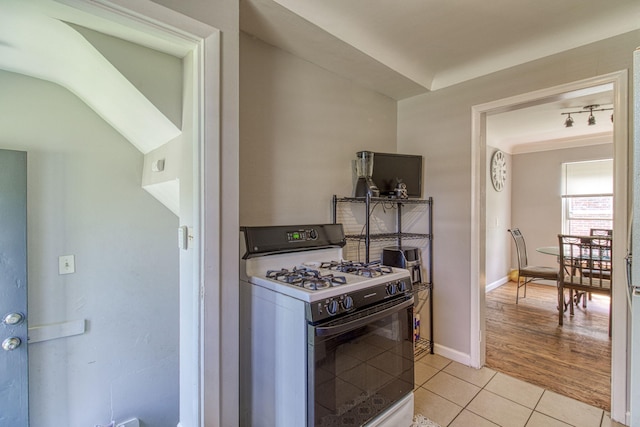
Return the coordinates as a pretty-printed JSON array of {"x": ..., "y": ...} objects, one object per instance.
[{"x": 587, "y": 193}]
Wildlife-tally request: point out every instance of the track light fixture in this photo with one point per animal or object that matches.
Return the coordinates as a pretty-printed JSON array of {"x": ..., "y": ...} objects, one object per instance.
[
  {"x": 586, "y": 109},
  {"x": 569, "y": 122}
]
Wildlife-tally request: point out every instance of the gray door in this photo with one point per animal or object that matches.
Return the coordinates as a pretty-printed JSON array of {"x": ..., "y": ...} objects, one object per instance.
[{"x": 14, "y": 392}]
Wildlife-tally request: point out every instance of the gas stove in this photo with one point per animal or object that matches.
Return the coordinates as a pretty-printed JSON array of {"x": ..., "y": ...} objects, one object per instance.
[
  {"x": 307, "y": 264},
  {"x": 316, "y": 276},
  {"x": 305, "y": 314}
]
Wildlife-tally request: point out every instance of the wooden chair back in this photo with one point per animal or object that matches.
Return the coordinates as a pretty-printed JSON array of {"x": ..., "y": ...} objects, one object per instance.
[
  {"x": 601, "y": 232},
  {"x": 585, "y": 266},
  {"x": 585, "y": 262}
]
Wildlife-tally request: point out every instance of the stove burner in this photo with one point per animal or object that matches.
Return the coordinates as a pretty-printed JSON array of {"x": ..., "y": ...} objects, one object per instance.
[
  {"x": 315, "y": 284},
  {"x": 371, "y": 269},
  {"x": 306, "y": 277}
]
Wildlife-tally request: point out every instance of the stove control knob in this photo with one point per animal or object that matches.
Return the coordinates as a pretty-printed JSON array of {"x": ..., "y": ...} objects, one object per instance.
[
  {"x": 313, "y": 234},
  {"x": 402, "y": 287},
  {"x": 347, "y": 303},
  {"x": 332, "y": 307},
  {"x": 392, "y": 288}
]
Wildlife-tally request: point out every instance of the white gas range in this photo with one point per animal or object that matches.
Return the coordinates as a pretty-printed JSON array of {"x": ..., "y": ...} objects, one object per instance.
[{"x": 323, "y": 341}]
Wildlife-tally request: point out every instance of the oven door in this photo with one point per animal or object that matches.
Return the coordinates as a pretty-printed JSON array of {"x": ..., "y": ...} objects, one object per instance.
[{"x": 360, "y": 365}]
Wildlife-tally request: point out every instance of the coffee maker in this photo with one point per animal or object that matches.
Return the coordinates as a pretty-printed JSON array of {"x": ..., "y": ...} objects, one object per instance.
[{"x": 364, "y": 170}]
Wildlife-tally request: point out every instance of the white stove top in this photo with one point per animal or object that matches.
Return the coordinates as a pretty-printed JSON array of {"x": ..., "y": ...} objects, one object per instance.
[{"x": 255, "y": 271}]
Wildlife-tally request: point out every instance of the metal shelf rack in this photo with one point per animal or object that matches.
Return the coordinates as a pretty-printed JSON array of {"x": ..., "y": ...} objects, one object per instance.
[{"x": 423, "y": 291}]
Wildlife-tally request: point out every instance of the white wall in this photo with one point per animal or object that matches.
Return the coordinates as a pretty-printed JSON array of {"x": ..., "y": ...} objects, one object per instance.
[
  {"x": 85, "y": 199},
  {"x": 438, "y": 126},
  {"x": 498, "y": 215},
  {"x": 537, "y": 206},
  {"x": 301, "y": 128}
]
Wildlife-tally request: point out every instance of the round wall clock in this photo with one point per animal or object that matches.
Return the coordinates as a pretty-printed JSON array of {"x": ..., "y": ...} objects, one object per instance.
[{"x": 498, "y": 170}]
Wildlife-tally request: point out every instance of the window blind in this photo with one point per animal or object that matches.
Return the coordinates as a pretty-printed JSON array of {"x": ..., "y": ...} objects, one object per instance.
[{"x": 588, "y": 178}]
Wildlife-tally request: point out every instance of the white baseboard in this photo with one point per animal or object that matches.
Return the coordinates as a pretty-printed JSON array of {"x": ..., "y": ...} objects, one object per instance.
[
  {"x": 451, "y": 354},
  {"x": 496, "y": 284}
]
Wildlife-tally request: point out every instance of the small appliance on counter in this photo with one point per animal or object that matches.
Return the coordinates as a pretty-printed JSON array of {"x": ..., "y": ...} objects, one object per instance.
[
  {"x": 364, "y": 170},
  {"x": 406, "y": 257}
]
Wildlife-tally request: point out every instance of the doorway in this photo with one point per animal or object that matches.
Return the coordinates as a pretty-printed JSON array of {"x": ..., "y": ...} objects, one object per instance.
[
  {"x": 201, "y": 51},
  {"x": 479, "y": 231}
]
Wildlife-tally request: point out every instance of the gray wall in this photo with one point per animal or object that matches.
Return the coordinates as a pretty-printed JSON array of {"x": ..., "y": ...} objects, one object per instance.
[
  {"x": 537, "y": 206},
  {"x": 301, "y": 128},
  {"x": 84, "y": 198},
  {"x": 438, "y": 126},
  {"x": 531, "y": 202}
]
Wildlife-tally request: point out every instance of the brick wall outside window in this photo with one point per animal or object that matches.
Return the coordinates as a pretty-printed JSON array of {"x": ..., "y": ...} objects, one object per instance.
[{"x": 585, "y": 213}]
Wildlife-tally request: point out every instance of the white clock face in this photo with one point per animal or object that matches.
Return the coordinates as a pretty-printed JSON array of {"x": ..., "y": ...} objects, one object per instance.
[{"x": 498, "y": 170}]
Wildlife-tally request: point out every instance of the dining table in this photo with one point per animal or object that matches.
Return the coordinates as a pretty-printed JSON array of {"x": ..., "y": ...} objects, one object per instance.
[
  {"x": 549, "y": 250},
  {"x": 584, "y": 256},
  {"x": 555, "y": 251}
]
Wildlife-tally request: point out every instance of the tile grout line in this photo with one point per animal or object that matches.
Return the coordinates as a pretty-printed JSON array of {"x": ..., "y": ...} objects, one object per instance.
[{"x": 544, "y": 390}]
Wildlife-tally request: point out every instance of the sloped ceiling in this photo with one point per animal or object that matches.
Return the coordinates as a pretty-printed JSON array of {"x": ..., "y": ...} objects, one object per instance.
[
  {"x": 431, "y": 44},
  {"x": 402, "y": 49},
  {"x": 35, "y": 44}
]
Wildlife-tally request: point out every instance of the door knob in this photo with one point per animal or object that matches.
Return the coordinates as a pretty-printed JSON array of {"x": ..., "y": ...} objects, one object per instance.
[
  {"x": 11, "y": 343},
  {"x": 13, "y": 319}
]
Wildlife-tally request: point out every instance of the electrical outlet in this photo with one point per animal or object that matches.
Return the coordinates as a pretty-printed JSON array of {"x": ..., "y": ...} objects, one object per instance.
[{"x": 66, "y": 264}]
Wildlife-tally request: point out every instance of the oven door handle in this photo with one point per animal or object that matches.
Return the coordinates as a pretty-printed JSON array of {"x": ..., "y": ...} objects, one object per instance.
[{"x": 323, "y": 331}]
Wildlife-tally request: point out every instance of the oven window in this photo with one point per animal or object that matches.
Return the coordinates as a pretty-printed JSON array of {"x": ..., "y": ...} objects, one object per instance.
[{"x": 358, "y": 374}]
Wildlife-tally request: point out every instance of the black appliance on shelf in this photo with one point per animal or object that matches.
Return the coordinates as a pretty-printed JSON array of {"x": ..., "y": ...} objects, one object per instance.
[
  {"x": 391, "y": 169},
  {"x": 406, "y": 257}
]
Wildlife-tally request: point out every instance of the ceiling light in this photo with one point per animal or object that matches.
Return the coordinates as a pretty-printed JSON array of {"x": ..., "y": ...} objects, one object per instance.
[
  {"x": 569, "y": 122},
  {"x": 587, "y": 109}
]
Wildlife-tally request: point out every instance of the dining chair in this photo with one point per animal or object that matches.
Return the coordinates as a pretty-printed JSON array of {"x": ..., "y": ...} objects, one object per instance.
[
  {"x": 601, "y": 232},
  {"x": 585, "y": 266},
  {"x": 605, "y": 270},
  {"x": 525, "y": 271}
]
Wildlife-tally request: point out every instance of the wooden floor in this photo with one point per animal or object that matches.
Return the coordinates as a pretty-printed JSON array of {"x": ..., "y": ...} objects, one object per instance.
[{"x": 526, "y": 342}]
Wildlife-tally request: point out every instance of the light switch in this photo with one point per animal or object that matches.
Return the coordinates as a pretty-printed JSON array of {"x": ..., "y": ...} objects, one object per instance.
[{"x": 66, "y": 264}]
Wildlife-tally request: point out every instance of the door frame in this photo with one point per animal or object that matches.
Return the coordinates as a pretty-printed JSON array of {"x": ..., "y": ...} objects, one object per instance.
[
  {"x": 150, "y": 24},
  {"x": 619, "y": 79}
]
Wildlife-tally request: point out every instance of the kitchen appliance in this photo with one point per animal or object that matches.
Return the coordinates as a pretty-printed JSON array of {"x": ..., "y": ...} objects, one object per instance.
[
  {"x": 406, "y": 257},
  {"x": 391, "y": 169},
  {"x": 324, "y": 341},
  {"x": 364, "y": 170}
]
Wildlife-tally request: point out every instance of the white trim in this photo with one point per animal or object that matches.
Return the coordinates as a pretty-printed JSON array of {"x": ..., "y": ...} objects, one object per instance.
[
  {"x": 619, "y": 398},
  {"x": 180, "y": 35},
  {"x": 452, "y": 354},
  {"x": 210, "y": 238},
  {"x": 560, "y": 143},
  {"x": 496, "y": 284},
  {"x": 477, "y": 265}
]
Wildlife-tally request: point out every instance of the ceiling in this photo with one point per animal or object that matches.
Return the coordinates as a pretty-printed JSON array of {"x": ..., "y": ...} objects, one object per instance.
[
  {"x": 400, "y": 49},
  {"x": 407, "y": 48},
  {"x": 36, "y": 41},
  {"x": 542, "y": 126}
]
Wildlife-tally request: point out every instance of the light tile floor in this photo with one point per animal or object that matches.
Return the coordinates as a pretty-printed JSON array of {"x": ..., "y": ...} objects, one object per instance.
[{"x": 454, "y": 395}]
